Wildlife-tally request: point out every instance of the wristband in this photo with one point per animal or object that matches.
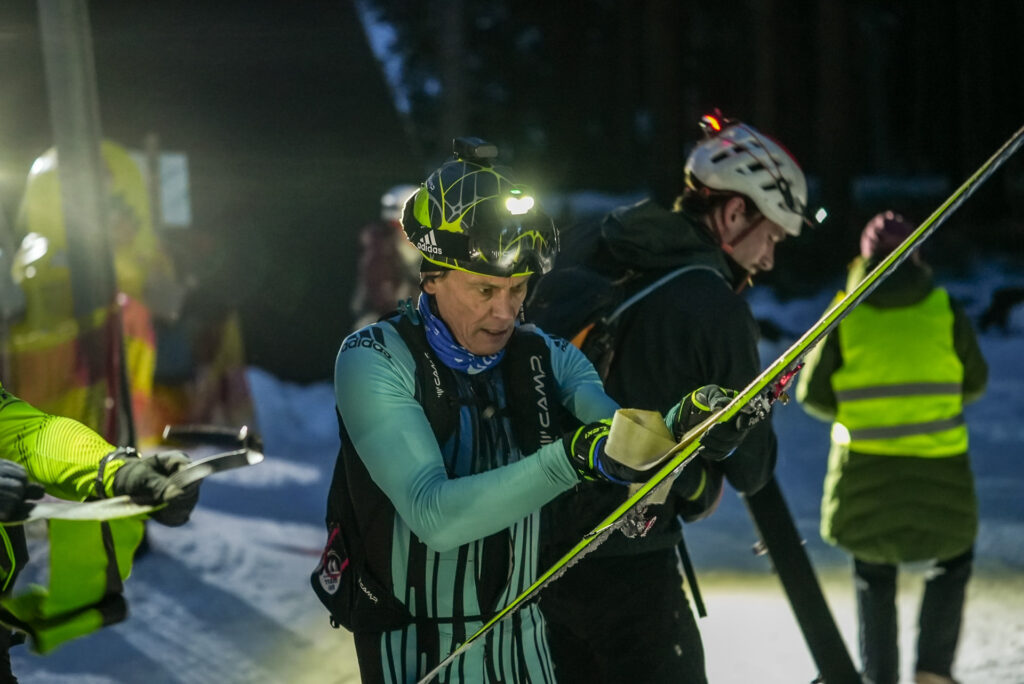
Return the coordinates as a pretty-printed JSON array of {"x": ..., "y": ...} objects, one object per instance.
[{"x": 122, "y": 453}]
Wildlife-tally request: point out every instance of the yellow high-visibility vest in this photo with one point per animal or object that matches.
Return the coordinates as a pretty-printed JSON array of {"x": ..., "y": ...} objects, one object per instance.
[{"x": 900, "y": 388}]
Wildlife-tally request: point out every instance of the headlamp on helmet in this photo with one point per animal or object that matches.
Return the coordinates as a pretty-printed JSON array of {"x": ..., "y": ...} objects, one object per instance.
[
  {"x": 474, "y": 149},
  {"x": 472, "y": 216},
  {"x": 518, "y": 202}
]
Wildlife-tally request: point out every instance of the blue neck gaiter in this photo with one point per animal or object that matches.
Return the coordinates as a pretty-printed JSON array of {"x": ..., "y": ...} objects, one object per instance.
[{"x": 451, "y": 353}]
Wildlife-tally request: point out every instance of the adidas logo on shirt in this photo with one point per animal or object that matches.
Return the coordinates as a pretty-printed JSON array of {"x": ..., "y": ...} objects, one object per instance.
[{"x": 371, "y": 338}]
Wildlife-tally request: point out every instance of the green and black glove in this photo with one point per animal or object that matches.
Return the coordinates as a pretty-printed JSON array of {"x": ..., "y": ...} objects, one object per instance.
[
  {"x": 148, "y": 481},
  {"x": 585, "y": 449},
  {"x": 721, "y": 439},
  {"x": 15, "y": 489}
]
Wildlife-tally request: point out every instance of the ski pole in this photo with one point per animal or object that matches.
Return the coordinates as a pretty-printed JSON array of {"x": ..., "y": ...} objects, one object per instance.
[{"x": 691, "y": 575}]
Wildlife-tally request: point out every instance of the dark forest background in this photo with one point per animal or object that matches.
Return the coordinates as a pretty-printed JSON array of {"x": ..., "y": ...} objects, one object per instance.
[
  {"x": 885, "y": 104},
  {"x": 292, "y": 132}
]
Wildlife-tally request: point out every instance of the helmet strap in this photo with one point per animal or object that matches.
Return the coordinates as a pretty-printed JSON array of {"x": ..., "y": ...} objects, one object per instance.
[
  {"x": 753, "y": 216},
  {"x": 729, "y": 247},
  {"x": 742, "y": 235},
  {"x": 719, "y": 224}
]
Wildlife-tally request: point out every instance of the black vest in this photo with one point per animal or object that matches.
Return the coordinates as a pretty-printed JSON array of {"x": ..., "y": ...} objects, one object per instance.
[{"x": 360, "y": 517}]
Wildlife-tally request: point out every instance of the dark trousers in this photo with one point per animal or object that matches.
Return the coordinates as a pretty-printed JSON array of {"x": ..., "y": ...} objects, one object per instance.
[
  {"x": 939, "y": 620},
  {"x": 623, "y": 619}
]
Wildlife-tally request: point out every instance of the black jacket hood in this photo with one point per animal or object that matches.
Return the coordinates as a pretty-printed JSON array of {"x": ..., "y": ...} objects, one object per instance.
[{"x": 646, "y": 236}]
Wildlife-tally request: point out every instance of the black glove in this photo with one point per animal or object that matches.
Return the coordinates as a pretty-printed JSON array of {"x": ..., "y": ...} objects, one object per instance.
[
  {"x": 585, "y": 449},
  {"x": 147, "y": 481},
  {"x": 722, "y": 438},
  {"x": 693, "y": 505},
  {"x": 14, "y": 490}
]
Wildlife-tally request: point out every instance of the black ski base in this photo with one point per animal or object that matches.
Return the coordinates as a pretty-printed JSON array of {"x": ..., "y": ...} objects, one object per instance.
[{"x": 774, "y": 523}]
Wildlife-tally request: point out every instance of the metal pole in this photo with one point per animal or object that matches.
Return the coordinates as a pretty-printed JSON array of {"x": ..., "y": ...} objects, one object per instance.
[{"x": 74, "y": 113}]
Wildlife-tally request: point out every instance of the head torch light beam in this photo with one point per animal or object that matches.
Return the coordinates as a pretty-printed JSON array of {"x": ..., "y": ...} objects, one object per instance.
[{"x": 519, "y": 205}]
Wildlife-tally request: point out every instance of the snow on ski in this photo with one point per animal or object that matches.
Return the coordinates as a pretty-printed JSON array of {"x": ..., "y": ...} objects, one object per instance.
[{"x": 763, "y": 391}]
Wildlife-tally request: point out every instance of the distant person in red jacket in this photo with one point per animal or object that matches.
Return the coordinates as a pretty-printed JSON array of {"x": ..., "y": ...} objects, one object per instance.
[{"x": 389, "y": 264}]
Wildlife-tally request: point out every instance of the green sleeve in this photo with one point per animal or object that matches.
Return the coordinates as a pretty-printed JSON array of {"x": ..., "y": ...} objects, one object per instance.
[
  {"x": 59, "y": 453},
  {"x": 966, "y": 344}
]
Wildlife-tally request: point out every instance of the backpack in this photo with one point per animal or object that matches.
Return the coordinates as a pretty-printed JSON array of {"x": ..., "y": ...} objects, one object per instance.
[{"x": 586, "y": 307}]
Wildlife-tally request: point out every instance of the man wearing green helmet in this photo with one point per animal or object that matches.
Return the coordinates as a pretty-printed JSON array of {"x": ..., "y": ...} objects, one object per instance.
[{"x": 457, "y": 424}]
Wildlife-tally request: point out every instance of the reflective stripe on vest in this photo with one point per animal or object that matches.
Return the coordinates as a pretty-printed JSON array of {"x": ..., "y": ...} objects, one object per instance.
[{"x": 900, "y": 386}]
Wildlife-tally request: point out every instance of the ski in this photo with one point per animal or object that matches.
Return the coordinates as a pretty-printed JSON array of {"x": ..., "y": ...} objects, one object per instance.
[
  {"x": 792, "y": 565},
  {"x": 123, "y": 506},
  {"x": 759, "y": 395},
  {"x": 229, "y": 460}
]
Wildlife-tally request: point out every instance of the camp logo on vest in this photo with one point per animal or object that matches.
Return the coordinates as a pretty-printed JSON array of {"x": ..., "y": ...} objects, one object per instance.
[
  {"x": 435, "y": 375},
  {"x": 330, "y": 576},
  {"x": 369, "y": 594},
  {"x": 543, "y": 413},
  {"x": 428, "y": 243},
  {"x": 371, "y": 338}
]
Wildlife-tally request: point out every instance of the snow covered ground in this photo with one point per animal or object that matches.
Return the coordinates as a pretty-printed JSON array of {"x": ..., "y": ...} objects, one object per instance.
[{"x": 226, "y": 598}]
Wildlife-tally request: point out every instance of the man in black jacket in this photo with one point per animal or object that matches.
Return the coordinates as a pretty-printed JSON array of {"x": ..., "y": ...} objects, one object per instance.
[{"x": 623, "y": 615}]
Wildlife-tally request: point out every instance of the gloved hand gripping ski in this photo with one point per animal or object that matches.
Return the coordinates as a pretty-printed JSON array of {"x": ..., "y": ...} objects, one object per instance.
[
  {"x": 148, "y": 481},
  {"x": 585, "y": 449},
  {"x": 721, "y": 439}
]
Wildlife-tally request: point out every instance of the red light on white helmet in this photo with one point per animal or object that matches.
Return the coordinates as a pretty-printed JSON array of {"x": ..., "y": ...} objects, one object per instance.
[{"x": 711, "y": 123}]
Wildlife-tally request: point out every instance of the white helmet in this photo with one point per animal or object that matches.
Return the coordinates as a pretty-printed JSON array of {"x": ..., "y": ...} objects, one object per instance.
[
  {"x": 392, "y": 202},
  {"x": 737, "y": 158}
]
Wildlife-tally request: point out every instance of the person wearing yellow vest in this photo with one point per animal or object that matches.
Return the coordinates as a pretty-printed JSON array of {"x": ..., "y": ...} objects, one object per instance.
[
  {"x": 46, "y": 345},
  {"x": 41, "y": 452},
  {"x": 893, "y": 379}
]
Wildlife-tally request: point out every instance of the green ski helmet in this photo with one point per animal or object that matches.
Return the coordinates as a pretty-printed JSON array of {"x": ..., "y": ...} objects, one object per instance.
[{"x": 471, "y": 216}]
